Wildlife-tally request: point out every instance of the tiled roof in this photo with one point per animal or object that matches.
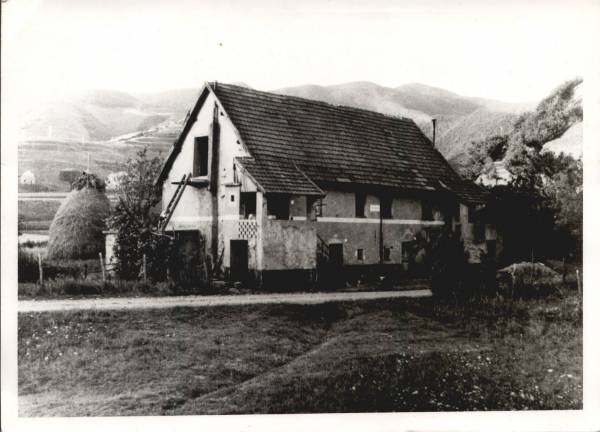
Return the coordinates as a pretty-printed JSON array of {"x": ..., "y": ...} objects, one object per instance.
[
  {"x": 298, "y": 145},
  {"x": 279, "y": 177},
  {"x": 335, "y": 144}
]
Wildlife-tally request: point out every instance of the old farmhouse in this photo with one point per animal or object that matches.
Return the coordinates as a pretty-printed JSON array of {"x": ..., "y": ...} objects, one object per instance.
[{"x": 276, "y": 184}]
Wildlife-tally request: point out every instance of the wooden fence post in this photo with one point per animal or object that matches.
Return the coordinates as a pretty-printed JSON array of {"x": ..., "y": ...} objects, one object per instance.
[
  {"x": 512, "y": 274},
  {"x": 578, "y": 281},
  {"x": 145, "y": 274},
  {"x": 41, "y": 270},
  {"x": 102, "y": 267}
]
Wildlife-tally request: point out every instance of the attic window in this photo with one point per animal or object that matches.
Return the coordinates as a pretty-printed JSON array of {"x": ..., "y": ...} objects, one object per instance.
[
  {"x": 386, "y": 207},
  {"x": 200, "y": 157},
  {"x": 359, "y": 210},
  {"x": 278, "y": 206}
]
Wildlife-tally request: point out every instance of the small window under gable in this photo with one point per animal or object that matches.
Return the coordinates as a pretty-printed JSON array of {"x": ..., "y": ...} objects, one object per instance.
[
  {"x": 248, "y": 205},
  {"x": 359, "y": 210},
  {"x": 200, "y": 157}
]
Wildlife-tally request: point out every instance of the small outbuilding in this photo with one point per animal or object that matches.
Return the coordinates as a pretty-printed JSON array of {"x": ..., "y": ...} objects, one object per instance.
[{"x": 27, "y": 178}]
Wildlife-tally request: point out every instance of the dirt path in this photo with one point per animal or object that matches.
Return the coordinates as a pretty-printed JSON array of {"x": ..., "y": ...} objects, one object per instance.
[{"x": 205, "y": 301}]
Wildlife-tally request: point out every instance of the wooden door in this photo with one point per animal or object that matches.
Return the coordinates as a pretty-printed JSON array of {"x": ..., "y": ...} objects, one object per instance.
[{"x": 238, "y": 260}]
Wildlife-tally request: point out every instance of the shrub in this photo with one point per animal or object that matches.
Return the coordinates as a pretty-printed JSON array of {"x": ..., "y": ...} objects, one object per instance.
[
  {"x": 134, "y": 219},
  {"x": 28, "y": 270}
]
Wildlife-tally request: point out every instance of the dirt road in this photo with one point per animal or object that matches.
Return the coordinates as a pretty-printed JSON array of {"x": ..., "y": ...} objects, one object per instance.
[{"x": 125, "y": 303}]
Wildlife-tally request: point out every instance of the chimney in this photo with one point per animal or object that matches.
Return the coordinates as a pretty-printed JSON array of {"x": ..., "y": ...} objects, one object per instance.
[{"x": 433, "y": 122}]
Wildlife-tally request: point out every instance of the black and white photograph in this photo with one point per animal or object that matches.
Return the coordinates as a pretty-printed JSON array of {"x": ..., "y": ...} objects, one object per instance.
[{"x": 223, "y": 208}]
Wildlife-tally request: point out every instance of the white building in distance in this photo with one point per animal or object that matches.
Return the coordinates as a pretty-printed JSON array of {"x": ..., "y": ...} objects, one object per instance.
[{"x": 28, "y": 178}]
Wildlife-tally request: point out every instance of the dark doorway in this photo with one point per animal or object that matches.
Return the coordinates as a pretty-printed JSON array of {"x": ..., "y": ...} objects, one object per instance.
[
  {"x": 238, "y": 260},
  {"x": 491, "y": 249},
  {"x": 333, "y": 275},
  {"x": 336, "y": 254}
]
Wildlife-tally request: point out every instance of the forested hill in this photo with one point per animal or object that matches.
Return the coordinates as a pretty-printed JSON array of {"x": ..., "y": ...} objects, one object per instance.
[{"x": 555, "y": 126}]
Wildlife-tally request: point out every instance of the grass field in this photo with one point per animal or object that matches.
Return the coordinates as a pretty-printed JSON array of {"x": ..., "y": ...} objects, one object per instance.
[{"x": 400, "y": 355}]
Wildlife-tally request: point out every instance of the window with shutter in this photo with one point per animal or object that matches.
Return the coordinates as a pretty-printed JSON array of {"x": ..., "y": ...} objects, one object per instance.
[{"x": 200, "y": 157}]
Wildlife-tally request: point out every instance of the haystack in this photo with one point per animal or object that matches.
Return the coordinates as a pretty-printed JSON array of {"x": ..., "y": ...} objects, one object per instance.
[
  {"x": 76, "y": 231},
  {"x": 528, "y": 278}
]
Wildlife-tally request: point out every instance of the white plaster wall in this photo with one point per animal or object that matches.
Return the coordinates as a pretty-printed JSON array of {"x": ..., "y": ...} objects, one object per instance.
[{"x": 194, "y": 210}]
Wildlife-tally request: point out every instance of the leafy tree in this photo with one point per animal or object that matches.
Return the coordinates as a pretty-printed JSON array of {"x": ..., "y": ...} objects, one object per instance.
[
  {"x": 542, "y": 208},
  {"x": 134, "y": 219},
  {"x": 482, "y": 154},
  {"x": 520, "y": 148},
  {"x": 552, "y": 117},
  {"x": 565, "y": 192}
]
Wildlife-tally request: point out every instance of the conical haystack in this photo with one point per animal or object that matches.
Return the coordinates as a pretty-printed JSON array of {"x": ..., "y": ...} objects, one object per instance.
[{"x": 76, "y": 231}]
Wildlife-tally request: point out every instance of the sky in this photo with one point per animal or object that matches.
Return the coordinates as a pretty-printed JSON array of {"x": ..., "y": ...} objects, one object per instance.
[{"x": 512, "y": 50}]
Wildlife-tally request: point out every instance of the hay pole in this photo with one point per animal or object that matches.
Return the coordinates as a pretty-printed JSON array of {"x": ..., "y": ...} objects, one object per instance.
[
  {"x": 102, "y": 267},
  {"x": 144, "y": 263},
  {"x": 41, "y": 270}
]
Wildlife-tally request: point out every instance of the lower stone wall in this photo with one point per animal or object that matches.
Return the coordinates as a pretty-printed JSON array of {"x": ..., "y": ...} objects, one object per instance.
[
  {"x": 366, "y": 235},
  {"x": 289, "y": 245}
]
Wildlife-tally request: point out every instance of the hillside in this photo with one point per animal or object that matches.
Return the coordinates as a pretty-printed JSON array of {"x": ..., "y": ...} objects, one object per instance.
[
  {"x": 111, "y": 125},
  {"x": 570, "y": 143},
  {"x": 101, "y": 115}
]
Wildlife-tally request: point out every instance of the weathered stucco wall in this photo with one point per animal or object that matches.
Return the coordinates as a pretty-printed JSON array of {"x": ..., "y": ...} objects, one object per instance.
[
  {"x": 405, "y": 208},
  {"x": 366, "y": 235},
  {"x": 289, "y": 245},
  {"x": 343, "y": 204},
  {"x": 338, "y": 204},
  {"x": 339, "y": 224}
]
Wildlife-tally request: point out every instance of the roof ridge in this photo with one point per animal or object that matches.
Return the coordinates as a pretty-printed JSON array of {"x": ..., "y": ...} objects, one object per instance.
[{"x": 314, "y": 101}]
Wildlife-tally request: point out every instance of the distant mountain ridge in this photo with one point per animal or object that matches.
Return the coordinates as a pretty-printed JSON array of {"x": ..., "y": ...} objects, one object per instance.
[{"x": 132, "y": 120}]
